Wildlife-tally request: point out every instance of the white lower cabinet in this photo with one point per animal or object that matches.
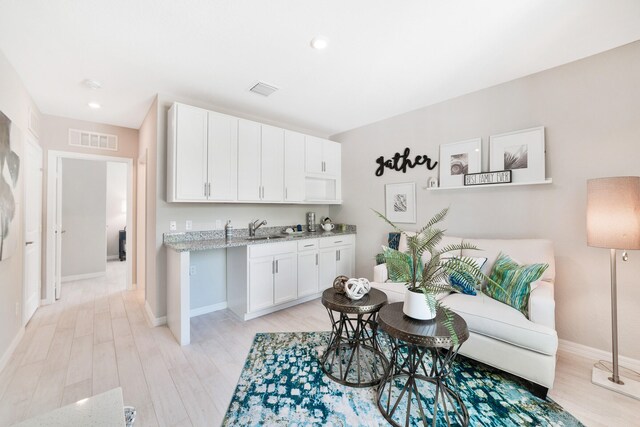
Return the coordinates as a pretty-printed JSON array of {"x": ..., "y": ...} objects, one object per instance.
[{"x": 267, "y": 277}]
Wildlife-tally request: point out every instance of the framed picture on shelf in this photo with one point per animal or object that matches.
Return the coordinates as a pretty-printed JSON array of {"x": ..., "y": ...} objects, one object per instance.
[
  {"x": 400, "y": 202},
  {"x": 521, "y": 152},
  {"x": 459, "y": 158}
]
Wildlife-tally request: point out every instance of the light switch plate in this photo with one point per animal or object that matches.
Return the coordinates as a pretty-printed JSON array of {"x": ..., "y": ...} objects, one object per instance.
[
  {"x": 188, "y": 225},
  {"x": 172, "y": 226}
]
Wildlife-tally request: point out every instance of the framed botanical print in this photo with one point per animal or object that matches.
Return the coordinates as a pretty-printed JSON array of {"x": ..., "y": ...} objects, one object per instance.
[
  {"x": 458, "y": 159},
  {"x": 400, "y": 202},
  {"x": 521, "y": 152}
]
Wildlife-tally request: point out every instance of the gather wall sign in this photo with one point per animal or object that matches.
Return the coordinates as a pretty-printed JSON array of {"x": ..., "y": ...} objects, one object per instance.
[{"x": 400, "y": 162}]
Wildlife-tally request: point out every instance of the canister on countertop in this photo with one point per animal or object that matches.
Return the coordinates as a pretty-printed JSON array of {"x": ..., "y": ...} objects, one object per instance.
[
  {"x": 228, "y": 230},
  {"x": 311, "y": 222}
]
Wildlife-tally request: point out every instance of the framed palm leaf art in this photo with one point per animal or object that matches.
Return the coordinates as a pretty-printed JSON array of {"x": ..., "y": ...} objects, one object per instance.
[
  {"x": 522, "y": 152},
  {"x": 400, "y": 202}
]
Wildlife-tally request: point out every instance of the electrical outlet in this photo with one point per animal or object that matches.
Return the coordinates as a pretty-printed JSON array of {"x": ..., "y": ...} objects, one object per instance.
[
  {"x": 192, "y": 270},
  {"x": 218, "y": 224},
  {"x": 188, "y": 225},
  {"x": 172, "y": 226}
]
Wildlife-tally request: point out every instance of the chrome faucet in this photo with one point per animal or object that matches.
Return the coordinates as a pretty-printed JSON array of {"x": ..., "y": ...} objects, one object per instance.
[{"x": 254, "y": 225}]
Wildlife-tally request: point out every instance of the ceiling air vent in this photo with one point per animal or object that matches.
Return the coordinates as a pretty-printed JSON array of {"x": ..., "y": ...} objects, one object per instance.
[
  {"x": 101, "y": 141},
  {"x": 263, "y": 89}
]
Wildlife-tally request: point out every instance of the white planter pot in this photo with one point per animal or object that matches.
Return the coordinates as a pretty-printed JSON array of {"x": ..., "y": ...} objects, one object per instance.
[{"x": 416, "y": 307}]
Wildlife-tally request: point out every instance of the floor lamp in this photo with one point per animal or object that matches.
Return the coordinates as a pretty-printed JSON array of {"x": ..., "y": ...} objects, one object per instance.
[{"x": 613, "y": 222}]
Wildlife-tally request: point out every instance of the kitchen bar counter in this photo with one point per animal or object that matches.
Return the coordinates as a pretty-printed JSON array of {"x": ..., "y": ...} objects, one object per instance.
[
  {"x": 206, "y": 240},
  {"x": 180, "y": 245}
]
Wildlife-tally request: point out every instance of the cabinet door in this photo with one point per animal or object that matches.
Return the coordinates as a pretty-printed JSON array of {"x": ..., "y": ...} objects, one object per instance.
[
  {"x": 223, "y": 157},
  {"x": 190, "y": 153},
  {"x": 272, "y": 164},
  {"x": 285, "y": 278},
  {"x": 293, "y": 166},
  {"x": 248, "y": 160},
  {"x": 313, "y": 155},
  {"x": 327, "y": 268},
  {"x": 261, "y": 272},
  {"x": 344, "y": 262},
  {"x": 308, "y": 273},
  {"x": 332, "y": 153}
]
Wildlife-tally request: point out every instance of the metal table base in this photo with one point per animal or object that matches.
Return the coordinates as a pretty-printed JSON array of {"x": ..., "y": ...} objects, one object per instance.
[{"x": 411, "y": 388}]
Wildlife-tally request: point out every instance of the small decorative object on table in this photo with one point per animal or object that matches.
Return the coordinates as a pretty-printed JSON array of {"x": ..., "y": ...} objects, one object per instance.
[
  {"x": 339, "y": 284},
  {"x": 357, "y": 288}
]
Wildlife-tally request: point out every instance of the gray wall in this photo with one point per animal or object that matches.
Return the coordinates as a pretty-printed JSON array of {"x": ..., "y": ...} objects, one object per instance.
[
  {"x": 84, "y": 218},
  {"x": 591, "y": 111}
]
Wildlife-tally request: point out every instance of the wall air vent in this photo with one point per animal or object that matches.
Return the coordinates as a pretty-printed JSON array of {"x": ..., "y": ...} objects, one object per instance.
[
  {"x": 263, "y": 89},
  {"x": 99, "y": 141}
]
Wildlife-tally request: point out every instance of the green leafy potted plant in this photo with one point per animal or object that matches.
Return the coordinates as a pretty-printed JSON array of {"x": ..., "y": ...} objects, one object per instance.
[{"x": 424, "y": 281}]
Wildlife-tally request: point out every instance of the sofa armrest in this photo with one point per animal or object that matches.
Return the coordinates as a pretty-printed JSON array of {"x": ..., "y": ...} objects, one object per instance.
[
  {"x": 380, "y": 274},
  {"x": 542, "y": 305}
]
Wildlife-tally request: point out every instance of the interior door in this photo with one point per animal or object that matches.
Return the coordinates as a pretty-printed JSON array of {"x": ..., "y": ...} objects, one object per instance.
[{"x": 32, "y": 228}]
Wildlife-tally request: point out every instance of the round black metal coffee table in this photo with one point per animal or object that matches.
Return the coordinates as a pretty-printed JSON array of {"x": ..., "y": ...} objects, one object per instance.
[
  {"x": 413, "y": 386},
  {"x": 353, "y": 357}
]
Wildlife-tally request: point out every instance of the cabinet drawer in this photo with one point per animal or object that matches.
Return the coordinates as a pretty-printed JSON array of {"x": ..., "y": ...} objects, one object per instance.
[
  {"x": 328, "y": 242},
  {"x": 307, "y": 245},
  {"x": 267, "y": 249}
]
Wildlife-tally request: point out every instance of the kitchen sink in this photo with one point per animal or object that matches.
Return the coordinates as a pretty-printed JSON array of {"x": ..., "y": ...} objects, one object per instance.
[{"x": 264, "y": 237}]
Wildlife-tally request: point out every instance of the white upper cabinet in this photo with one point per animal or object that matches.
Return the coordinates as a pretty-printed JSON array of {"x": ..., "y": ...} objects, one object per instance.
[
  {"x": 272, "y": 162},
  {"x": 223, "y": 157},
  {"x": 249, "y": 144},
  {"x": 322, "y": 156},
  {"x": 214, "y": 157},
  {"x": 293, "y": 166},
  {"x": 260, "y": 162},
  {"x": 201, "y": 155}
]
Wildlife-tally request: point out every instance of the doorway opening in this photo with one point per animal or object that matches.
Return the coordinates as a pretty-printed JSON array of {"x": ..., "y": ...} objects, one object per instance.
[{"x": 89, "y": 199}]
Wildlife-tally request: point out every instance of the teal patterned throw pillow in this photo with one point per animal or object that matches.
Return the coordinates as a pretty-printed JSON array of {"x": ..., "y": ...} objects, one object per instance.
[
  {"x": 514, "y": 282},
  {"x": 464, "y": 282}
]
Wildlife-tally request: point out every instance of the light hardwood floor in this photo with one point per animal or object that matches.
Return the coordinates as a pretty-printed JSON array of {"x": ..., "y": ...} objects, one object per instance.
[{"x": 96, "y": 338}]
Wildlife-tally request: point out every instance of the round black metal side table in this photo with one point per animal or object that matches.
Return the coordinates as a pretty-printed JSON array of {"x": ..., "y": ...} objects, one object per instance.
[
  {"x": 415, "y": 386},
  {"x": 353, "y": 356}
]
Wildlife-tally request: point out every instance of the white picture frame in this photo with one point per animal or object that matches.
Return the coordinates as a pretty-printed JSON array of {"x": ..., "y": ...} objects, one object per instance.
[
  {"x": 400, "y": 202},
  {"x": 522, "y": 152},
  {"x": 458, "y": 159}
]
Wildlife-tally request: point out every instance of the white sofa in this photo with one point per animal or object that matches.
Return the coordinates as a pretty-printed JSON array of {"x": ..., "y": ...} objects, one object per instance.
[{"x": 500, "y": 335}]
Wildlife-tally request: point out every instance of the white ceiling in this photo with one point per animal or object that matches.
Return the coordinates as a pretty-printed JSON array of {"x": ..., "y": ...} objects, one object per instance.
[{"x": 384, "y": 57}]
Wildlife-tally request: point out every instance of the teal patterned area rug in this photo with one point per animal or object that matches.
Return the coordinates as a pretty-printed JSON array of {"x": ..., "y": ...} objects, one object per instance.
[{"x": 282, "y": 383}]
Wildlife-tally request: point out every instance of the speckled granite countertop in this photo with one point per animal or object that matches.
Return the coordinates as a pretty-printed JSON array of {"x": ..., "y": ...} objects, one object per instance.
[{"x": 207, "y": 240}]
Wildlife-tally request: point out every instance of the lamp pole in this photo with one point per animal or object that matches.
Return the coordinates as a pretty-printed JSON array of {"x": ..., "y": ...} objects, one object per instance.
[{"x": 614, "y": 319}]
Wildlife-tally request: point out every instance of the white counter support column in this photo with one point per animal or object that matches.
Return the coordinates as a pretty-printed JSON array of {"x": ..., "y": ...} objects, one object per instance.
[{"x": 178, "y": 295}]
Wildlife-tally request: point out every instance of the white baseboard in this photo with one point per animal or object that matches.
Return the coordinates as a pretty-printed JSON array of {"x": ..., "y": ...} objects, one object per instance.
[
  {"x": 12, "y": 347},
  {"x": 207, "y": 309},
  {"x": 85, "y": 276},
  {"x": 596, "y": 354},
  {"x": 153, "y": 320}
]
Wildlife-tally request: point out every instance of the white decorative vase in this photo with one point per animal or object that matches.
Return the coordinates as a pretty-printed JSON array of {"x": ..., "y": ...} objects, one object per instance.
[{"x": 415, "y": 306}]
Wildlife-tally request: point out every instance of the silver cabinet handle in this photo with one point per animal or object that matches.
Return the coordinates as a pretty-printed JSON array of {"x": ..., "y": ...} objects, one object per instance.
[
  {"x": 205, "y": 189},
  {"x": 316, "y": 259},
  {"x": 273, "y": 267},
  {"x": 337, "y": 241},
  {"x": 209, "y": 188},
  {"x": 339, "y": 255},
  {"x": 28, "y": 243},
  {"x": 276, "y": 266}
]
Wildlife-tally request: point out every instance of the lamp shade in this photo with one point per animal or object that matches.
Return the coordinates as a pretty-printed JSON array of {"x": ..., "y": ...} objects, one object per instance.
[{"x": 613, "y": 212}]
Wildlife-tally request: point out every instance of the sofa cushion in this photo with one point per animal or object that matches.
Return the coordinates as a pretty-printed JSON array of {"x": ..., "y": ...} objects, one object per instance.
[
  {"x": 465, "y": 282},
  {"x": 526, "y": 251},
  {"x": 511, "y": 282},
  {"x": 491, "y": 318}
]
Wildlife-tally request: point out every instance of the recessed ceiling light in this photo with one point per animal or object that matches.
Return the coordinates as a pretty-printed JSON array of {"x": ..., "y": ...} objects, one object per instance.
[
  {"x": 92, "y": 84},
  {"x": 319, "y": 42},
  {"x": 94, "y": 105}
]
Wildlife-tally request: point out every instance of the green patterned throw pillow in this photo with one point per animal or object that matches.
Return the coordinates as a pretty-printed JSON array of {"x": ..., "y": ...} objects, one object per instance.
[{"x": 514, "y": 282}]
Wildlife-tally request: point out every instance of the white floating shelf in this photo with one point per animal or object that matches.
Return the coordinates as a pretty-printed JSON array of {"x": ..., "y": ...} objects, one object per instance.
[{"x": 506, "y": 184}]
